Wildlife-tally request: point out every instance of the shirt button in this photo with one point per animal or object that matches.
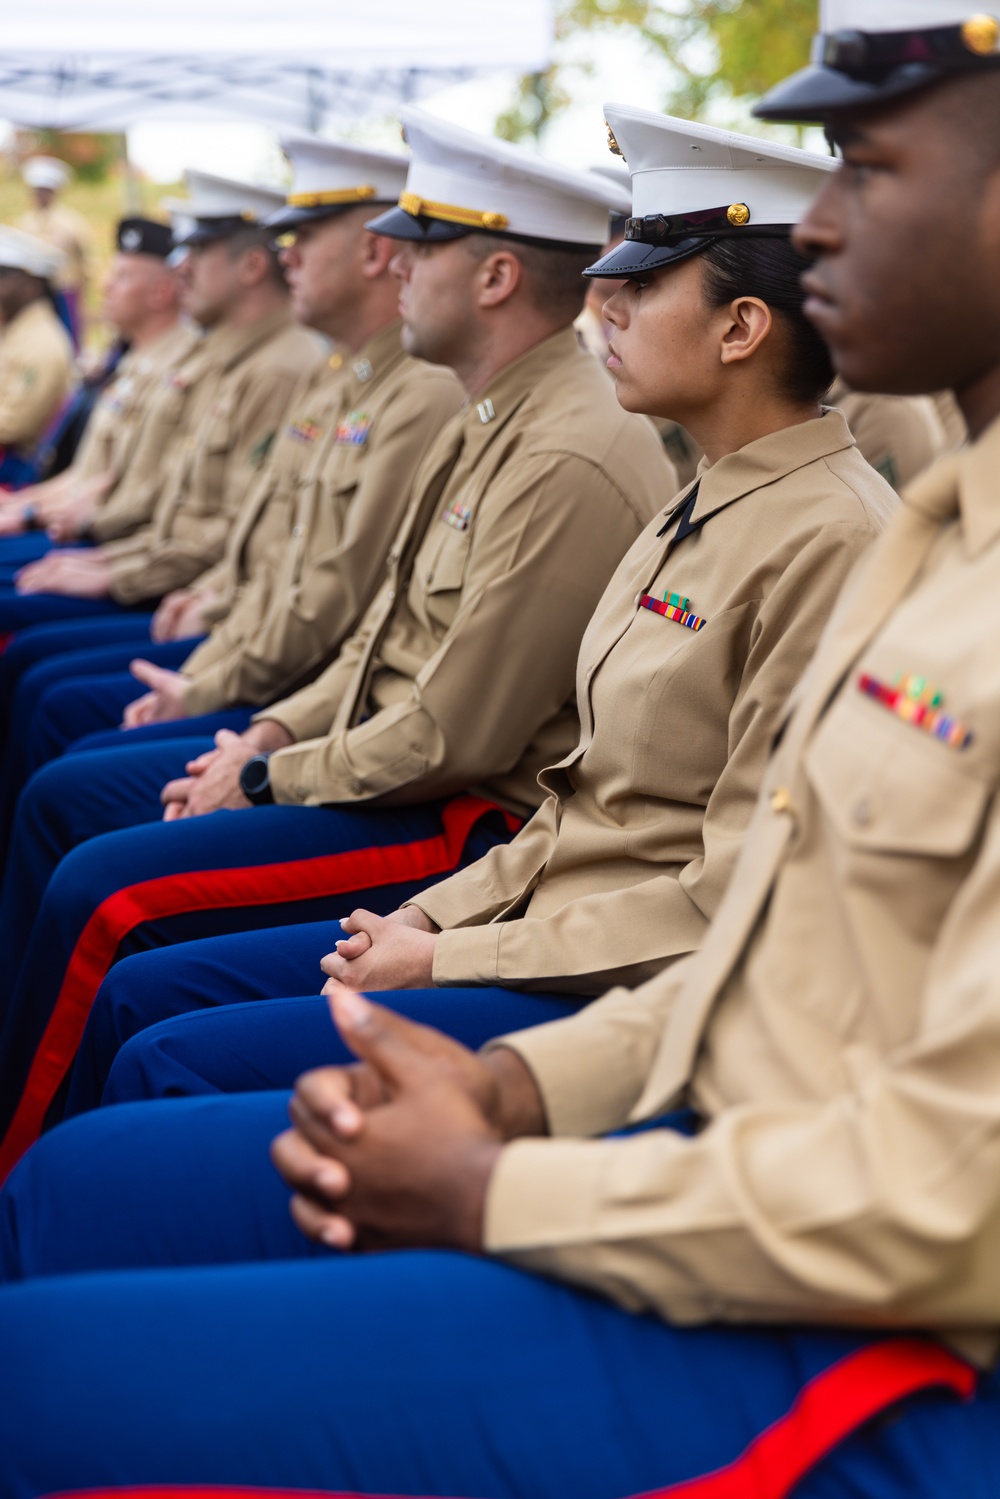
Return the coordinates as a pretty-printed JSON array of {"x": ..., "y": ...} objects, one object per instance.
[
  {"x": 781, "y": 800},
  {"x": 392, "y": 594},
  {"x": 637, "y": 600},
  {"x": 356, "y": 788},
  {"x": 297, "y": 531}
]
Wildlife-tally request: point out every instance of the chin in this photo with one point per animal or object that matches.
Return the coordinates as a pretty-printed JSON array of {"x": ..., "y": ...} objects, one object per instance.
[{"x": 884, "y": 371}]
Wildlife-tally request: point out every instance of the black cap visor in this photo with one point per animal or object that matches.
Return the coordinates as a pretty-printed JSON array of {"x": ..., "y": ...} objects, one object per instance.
[
  {"x": 396, "y": 223},
  {"x": 815, "y": 93},
  {"x": 636, "y": 258},
  {"x": 207, "y": 230},
  {"x": 292, "y": 215}
]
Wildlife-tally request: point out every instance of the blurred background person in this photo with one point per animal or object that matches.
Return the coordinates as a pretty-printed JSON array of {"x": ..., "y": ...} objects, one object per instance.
[
  {"x": 64, "y": 229},
  {"x": 36, "y": 357},
  {"x": 142, "y": 306}
]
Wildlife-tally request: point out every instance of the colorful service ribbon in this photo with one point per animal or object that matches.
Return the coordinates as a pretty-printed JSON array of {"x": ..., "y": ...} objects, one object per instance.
[
  {"x": 306, "y": 431},
  {"x": 912, "y": 699},
  {"x": 354, "y": 428},
  {"x": 457, "y": 516},
  {"x": 673, "y": 606}
]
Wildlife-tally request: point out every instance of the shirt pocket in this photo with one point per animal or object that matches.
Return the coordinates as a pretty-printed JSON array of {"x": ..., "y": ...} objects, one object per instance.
[
  {"x": 214, "y": 452},
  {"x": 440, "y": 571},
  {"x": 890, "y": 789}
]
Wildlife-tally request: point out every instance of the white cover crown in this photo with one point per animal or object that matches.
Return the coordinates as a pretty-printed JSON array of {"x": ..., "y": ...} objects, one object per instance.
[
  {"x": 23, "y": 252},
  {"x": 46, "y": 171},
  {"x": 896, "y": 15},
  {"x": 680, "y": 167},
  {"x": 214, "y": 197},
  {"x": 339, "y": 172},
  {"x": 503, "y": 187}
]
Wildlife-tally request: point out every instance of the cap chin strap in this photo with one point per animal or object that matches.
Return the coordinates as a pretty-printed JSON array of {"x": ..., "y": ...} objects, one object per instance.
[
  {"x": 665, "y": 228},
  {"x": 869, "y": 56}
]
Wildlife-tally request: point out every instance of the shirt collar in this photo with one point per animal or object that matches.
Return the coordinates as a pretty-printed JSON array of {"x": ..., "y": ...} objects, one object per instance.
[
  {"x": 978, "y": 490},
  {"x": 489, "y": 412},
  {"x": 229, "y": 345},
  {"x": 375, "y": 358},
  {"x": 767, "y": 460}
]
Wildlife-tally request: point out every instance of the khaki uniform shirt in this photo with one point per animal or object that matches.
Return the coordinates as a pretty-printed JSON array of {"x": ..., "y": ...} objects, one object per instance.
[
  {"x": 462, "y": 671},
  {"x": 627, "y": 859},
  {"x": 231, "y": 417},
  {"x": 129, "y": 506},
  {"x": 839, "y": 1029},
  {"x": 36, "y": 368},
  {"x": 66, "y": 230},
  {"x": 121, "y": 410},
  {"x": 899, "y": 435},
  {"x": 312, "y": 553}
]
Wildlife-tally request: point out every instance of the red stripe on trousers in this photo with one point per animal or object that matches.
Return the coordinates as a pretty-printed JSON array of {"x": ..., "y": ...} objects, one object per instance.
[
  {"x": 828, "y": 1409},
  {"x": 213, "y": 889}
]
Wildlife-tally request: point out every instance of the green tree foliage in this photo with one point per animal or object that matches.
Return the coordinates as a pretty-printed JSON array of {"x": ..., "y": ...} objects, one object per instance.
[
  {"x": 92, "y": 156},
  {"x": 709, "y": 49}
]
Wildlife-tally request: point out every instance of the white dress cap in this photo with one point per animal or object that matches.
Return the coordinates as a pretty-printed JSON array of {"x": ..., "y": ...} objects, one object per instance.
[
  {"x": 694, "y": 183},
  {"x": 212, "y": 197},
  {"x": 330, "y": 175},
  {"x": 23, "y": 252},
  {"x": 460, "y": 182},
  {"x": 46, "y": 171},
  {"x": 893, "y": 15},
  {"x": 871, "y": 51}
]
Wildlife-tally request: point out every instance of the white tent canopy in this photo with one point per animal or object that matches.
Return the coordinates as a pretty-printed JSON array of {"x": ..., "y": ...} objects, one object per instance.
[{"x": 288, "y": 63}]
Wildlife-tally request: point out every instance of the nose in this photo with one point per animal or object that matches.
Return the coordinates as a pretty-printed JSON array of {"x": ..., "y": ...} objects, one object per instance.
[
  {"x": 819, "y": 232},
  {"x": 615, "y": 310},
  {"x": 401, "y": 263}
]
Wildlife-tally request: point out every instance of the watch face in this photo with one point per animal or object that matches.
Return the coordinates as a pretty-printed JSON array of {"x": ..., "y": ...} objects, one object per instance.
[{"x": 254, "y": 777}]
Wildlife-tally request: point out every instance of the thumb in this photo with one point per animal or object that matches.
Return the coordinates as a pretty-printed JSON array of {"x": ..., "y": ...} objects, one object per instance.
[
  {"x": 387, "y": 1042},
  {"x": 146, "y": 673},
  {"x": 224, "y": 737},
  {"x": 362, "y": 921}
]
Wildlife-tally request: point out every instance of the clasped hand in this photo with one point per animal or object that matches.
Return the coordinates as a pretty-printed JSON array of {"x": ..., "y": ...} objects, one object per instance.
[
  {"x": 398, "y": 1149},
  {"x": 383, "y": 952}
]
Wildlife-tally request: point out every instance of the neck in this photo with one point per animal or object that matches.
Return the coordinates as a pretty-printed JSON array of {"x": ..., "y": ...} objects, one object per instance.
[
  {"x": 738, "y": 423},
  {"x": 501, "y": 346},
  {"x": 152, "y": 329},
  {"x": 367, "y": 321},
  {"x": 262, "y": 302},
  {"x": 979, "y": 402}
]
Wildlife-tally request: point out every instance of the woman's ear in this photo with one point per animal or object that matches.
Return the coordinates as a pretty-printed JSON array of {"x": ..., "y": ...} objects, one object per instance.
[{"x": 750, "y": 322}]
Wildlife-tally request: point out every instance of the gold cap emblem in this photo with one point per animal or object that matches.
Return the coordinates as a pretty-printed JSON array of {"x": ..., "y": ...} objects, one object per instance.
[
  {"x": 613, "y": 145},
  {"x": 494, "y": 221},
  {"x": 981, "y": 34},
  {"x": 738, "y": 214}
]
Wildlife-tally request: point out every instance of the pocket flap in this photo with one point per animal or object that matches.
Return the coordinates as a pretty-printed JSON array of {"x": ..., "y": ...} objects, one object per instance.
[{"x": 887, "y": 787}]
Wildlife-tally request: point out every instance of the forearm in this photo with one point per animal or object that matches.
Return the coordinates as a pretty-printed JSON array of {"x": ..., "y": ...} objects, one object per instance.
[
  {"x": 623, "y": 936},
  {"x": 153, "y": 573}
]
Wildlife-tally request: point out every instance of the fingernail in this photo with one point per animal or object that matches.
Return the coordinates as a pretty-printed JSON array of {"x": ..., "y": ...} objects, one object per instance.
[
  {"x": 335, "y": 1236},
  {"x": 352, "y": 1008},
  {"x": 330, "y": 1180}
]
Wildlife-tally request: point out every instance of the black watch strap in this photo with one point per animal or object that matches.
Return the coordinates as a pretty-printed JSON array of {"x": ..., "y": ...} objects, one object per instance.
[{"x": 255, "y": 781}]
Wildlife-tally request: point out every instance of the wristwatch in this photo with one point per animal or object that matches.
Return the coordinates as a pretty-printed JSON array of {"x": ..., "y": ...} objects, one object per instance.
[{"x": 255, "y": 781}]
